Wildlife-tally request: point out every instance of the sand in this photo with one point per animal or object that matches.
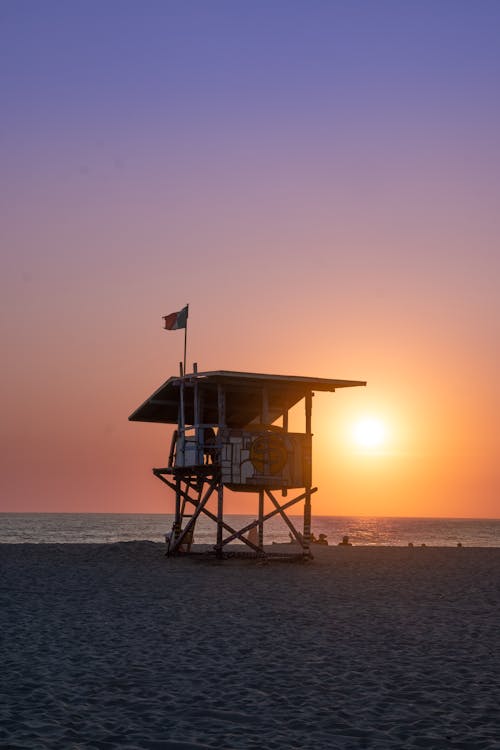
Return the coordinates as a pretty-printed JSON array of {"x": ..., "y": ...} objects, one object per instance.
[{"x": 114, "y": 646}]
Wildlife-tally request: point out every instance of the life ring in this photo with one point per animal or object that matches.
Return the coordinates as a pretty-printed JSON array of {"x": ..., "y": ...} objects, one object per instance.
[{"x": 268, "y": 454}]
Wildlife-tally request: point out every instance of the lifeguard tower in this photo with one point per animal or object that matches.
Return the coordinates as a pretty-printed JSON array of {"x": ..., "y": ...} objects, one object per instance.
[{"x": 232, "y": 432}]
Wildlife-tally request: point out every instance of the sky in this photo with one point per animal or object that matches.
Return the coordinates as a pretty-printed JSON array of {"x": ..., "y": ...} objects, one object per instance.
[{"x": 318, "y": 180}]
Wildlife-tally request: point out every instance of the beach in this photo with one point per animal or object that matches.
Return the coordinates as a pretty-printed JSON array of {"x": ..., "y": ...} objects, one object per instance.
[{"x": 115, "y": 646}]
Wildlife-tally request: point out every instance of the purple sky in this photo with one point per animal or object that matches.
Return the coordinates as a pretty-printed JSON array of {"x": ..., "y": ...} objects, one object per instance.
[{"x": 319, "y": 180}]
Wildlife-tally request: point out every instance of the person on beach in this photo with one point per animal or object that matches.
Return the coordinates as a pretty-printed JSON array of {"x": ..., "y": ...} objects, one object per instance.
[
  {"x": 253, "y": 536},
  {"x": 321, "y": 539},
  {"x": 345, "y": 542},
  {"x": 168, "y": 540},
  {"x": 172, "y": 535}
]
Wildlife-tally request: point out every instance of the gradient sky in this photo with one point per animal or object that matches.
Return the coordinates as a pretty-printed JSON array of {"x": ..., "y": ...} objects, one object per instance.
[{"x": 319, "y": 180}]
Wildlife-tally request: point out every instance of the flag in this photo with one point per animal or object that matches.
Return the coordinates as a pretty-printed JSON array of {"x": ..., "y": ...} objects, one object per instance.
[{"x": 176, "y": 320}]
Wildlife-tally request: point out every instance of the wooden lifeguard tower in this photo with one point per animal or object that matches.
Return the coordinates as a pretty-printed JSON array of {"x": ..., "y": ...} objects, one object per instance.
[{"x": 226, "y": 436}]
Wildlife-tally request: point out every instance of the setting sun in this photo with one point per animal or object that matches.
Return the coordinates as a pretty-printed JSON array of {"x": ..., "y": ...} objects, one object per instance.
[{"x": 369, "y": 432}]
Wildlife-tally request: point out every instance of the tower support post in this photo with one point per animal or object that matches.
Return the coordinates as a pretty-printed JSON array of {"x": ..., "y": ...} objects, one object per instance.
[
  {"x": 308, "y": 459},
  {"x": 261, "y": 520}
]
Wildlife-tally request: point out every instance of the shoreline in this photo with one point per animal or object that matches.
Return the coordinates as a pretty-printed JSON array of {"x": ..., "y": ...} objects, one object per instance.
[
  {"x": 116, "y": 646},
  {"x": 361, "y": 532},
  {"x": 199, "y": 549}
]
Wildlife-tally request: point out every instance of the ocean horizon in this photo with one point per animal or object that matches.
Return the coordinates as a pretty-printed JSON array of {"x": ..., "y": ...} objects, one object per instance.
[{"x": 105, "y": 528}]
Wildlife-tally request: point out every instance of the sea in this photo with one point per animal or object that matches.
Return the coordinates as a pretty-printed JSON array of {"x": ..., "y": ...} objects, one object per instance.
[{"x": 105, "y": 528}]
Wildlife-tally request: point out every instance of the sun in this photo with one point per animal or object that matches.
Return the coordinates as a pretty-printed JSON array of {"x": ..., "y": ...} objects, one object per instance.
[{"x": 369, "y": 433}]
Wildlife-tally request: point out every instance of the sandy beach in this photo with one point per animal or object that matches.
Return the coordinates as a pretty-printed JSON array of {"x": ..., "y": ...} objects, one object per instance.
[{"x": 114, "y": 646}]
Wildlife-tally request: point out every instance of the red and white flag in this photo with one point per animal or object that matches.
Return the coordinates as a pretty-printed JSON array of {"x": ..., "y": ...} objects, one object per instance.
[{"x": 176, "y": 320}]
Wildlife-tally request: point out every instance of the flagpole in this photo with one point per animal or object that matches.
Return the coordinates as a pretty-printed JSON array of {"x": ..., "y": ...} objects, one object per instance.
[{"x": 185, "y": 338}]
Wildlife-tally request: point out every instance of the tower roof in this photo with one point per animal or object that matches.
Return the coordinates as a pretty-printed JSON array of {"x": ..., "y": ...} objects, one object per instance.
[{"x": 243, "y": 393}]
